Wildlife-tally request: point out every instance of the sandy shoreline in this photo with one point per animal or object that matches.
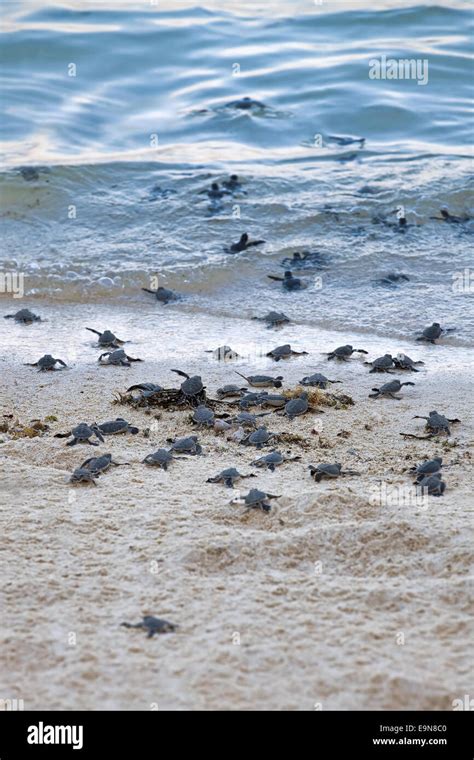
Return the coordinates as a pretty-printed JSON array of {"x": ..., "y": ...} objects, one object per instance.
[{"x": 321, "y": 593}]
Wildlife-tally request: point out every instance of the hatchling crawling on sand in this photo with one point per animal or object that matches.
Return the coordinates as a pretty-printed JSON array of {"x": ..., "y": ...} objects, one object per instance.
[
  {"x": 24, "y": 317},
  {"x": 258, "y": 438},
  {"x": 274, "y": 319},
  {"x": 297, "y": 406},
  {"x": 229, "y": 390},
  {"x": 276, "y": 400},
  {"x": 152, "y": 625},
  {"x": 146, "y": 390},
  {"x": 402, "y": 361},
  {"x": 284, "y": 352},
  {"x": 116, "y": 427},
  {"x": 329, "y": 471},
  {"x": 229, "y": 476},
  {"x": 188, "y": 445},
  {"x": 317, "y": 381},
  {"x": 47, "y": 363},
  {"x": 246, "y": 419},
  {"x": 432, "y": 485},
  {"x": 82, "y": 433},
  {"x": 117, "y": 358},
  {"x": 389, "y": 389},
  {"x": 97, "y": 465},
  {"x": 83, "y": 475},
  {"x": 203, "y": 416},
  {"x": 384, "y": 363},
  {"x": 345, "y": 352},
  {"x": 192, "y": 387},
  {"x": 272, "y": 460},
  {"x": 256, "y": 499},
  {"x": 163, "y": 295},
  {"x": 430, "y": 467},
  {"x": 262, "y": 381},
  {"x": 160, "y": 458},
  {"x": 107, "y": 339},
  {"x": 251, "y": 399},
  {"x": 437, "y": 423}
]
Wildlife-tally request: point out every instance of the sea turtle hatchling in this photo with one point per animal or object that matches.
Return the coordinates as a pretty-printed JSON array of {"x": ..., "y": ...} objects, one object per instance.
[
  {"x": 117, "y": 426},
  {"x": 432, "y": 485},
  {"x": 152, "y": 625},
  {"x": 275, "y": 400},
  {"x": 258, "y": 438},
  {"x": 229, "y": 476},
  {"x": 82, "y": 433},
  {"x": 384, "y": 363},
  {"x": 246, "y": 419},
  {"x": 203, "y": 416},
  {"x": 147, "y": 390},
  {"x": 117, "y": 358},
  {"x": 389, "y": 389},
  {"x": 429, "y": 467},
  {"x": 297, "y": 406},
  {"x": 345, "y": 352},
  {"x": 256, "y": 499},
  {"x": 402, "y": 361},
  {"x": 83, "y": 475},
  {"x": 284, "y": 352},
  {"x": 274, "y": 319},
  {"x": 272, "y": 460},
  {"x": 223, "y": 353},
  {"x": 243, "y": 244},
  {"x": 160, "y": 458},
  {"x": 317, "y": 381},
  {"x": 188, "y": 445},
  {"x": 436, "y": 423},
  {"x": 97, "y": 465},
  {"x": 107, "y": 339},
  {"x": 251, "y": 399},
  {"x": 326, "y": 470},
  {"x": 288, "y": 281},
  {"x": 163, "y": 295},
  {"x": 262, "y": 381},
  {"x": 47, "y": 363},
  {"x": 228, "y": 390},
  {"x": 432, "y": 333},
  {"x": 24, "y": 317},
  {"x": 192, "y": 387}
]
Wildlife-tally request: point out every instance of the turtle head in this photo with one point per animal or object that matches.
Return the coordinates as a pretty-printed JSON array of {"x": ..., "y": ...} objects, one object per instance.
[
  {"x": 277, "y": 383},
  {"x": 288, "y": 274},
  {"x": 234, "y": 177},
  {"x": 436, "y": 324},
  {"x": 215, "y": 186},
  {"x": 244, "y": 237}
]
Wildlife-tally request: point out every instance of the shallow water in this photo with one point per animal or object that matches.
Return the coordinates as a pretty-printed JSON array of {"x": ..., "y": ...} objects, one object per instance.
[{"x": 110, "y": 209}]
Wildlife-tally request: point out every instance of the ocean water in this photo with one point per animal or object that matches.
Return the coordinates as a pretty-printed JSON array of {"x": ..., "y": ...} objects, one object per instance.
[{"x": 122, "y": 111}]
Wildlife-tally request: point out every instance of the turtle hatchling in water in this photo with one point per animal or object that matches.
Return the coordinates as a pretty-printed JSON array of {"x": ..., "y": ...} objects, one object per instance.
[
  {"x": 345, "y": 352},
  {"x": 24, "y": 317},
  {"x": 284, "y": 352},
  {"x": 272, "y": 460},
  {"x": 432, "y": 333},
  {"x": 274, "y": 319},
  {"x": 224, "y": 353},
  {"x": 163, "y": 295},
  {"x": 117, "y": 358},
  {"x": 107, "y": 339},
  {"x": 152, "y": 625},
  {"x": 47, "y": 363},
  {"x": 82, "y": 433},
  {"x": 256, "y": 499},
  {"x": 389, "y": 389},
  {"x": 229, "y": 476}
]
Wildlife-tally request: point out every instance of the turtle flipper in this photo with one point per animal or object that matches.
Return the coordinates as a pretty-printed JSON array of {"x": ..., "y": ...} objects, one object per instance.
[
  {"x": 179, "y": 372},
  {"x": 275, "y": 277},
  {"x": 94, "y": 331},
  {"x": 147, "y": 290}
]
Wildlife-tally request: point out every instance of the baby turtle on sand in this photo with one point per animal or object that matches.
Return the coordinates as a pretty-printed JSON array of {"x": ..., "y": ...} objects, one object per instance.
[
  {"x": 229, "y": 476},
  {"x": 430, "y": 467},
  {"x": 317, "y": 381},
  {"x": 256, "y": 499},
  {"x": 97, "y": 465},
  {"x": 437, "y": 423},
  {"x": 107, "y": 339},
  {"x": 288, "y": 281},
  {"x": 262, "y": 381},
  {"x": 272, "y": 460},
  {"x": 152, "y": 625},
  {"x": 229, "y": 390},
  {"x": 297, "y": 406},
  {"x": 192, "y": 387},
  {"x": 163, "y": 295},
  {"x": 329, "y": 471},
  {"x": 47, "y": 363},
  {"x": 432, "y": 333},
  {"x": 276, "y": 400},
  {"x": 116, "y": 427},
  {"x": 251, "y": 399},
  {"x": 117, "y": 358},
  {"x": 258, "y": 438},
  {"x": 224, "y": 353},
  {"x": 389, "y": 389},
  {"x": 246, "y": 419},
  {"x": 83, "y": 475},
  {"x": 160, "y": 458},
  {"x": 383, "y": 364},
  {"x": 202, "y": 415},
  {"x": 402, "y": 361},
  {"x": 284, "y": 352},
  {"x": 188, "y": 445},
  {"x": 243, "y": 244},
  {"x": 432, "y": 485},
  {"x": 147, "y": 390},
  {"x": 82, "y": 433},
  {"x": 345, "y": 352},
  {"x": 24, "y": 317},
  {"x": 274, "y": 319}
]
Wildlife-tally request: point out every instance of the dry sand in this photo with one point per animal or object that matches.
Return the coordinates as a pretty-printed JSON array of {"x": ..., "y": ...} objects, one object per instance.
[{"x": 331, "y": 601}]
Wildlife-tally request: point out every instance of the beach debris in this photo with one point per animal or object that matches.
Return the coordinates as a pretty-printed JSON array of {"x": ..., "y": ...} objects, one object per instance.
[
  {"x": 48, "y": 363},
  {"x": 345, "y": 352},
  {"x": 117, "y": 426},
  {"x": 258, "y": 438},
  {"x": 429, "y": 467},
  {"x": 152, "y": 625},
  {"x": 160, "y": 458},
  {"x": 274, "y": 319},
  {"x": 326, "y": 470},
  {"x": 107, "y": 339},
  {"x": 317, "y": 380},
  {"x": 188, "y": 445},
  {"x": 243, "y": 244},
  {"x": 284, "y": 352},
  {"x": 384, "y": 363},
  {"x": 229, "y": 476},
  {"x": 255, "y": 499},
  {"x": 82, "y": 433},
  {"x": 432, "y": 485},
  {"x": 402, "y": 361},
  {"x": 117, "y": 358},
  {"x": 203, "y": 415},
  {"x": 226, "y": 391},
  {"x": 262, "y": 381},
  {"x": 389, "y": 389},
  {"x": 17, "y": 429},
  {"x": 237, "y": 436},
  {"x": 24, "y": 317},
  {"x": 163, "y": 295},
  {"x": 288, "y": 281},
  {"x": 432, "y": 333},
  {"x": 272, "y": 460}
]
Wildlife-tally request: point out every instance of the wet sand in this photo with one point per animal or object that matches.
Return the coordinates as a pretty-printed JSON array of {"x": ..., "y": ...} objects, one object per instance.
[{"x": 331, "y": 601}]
